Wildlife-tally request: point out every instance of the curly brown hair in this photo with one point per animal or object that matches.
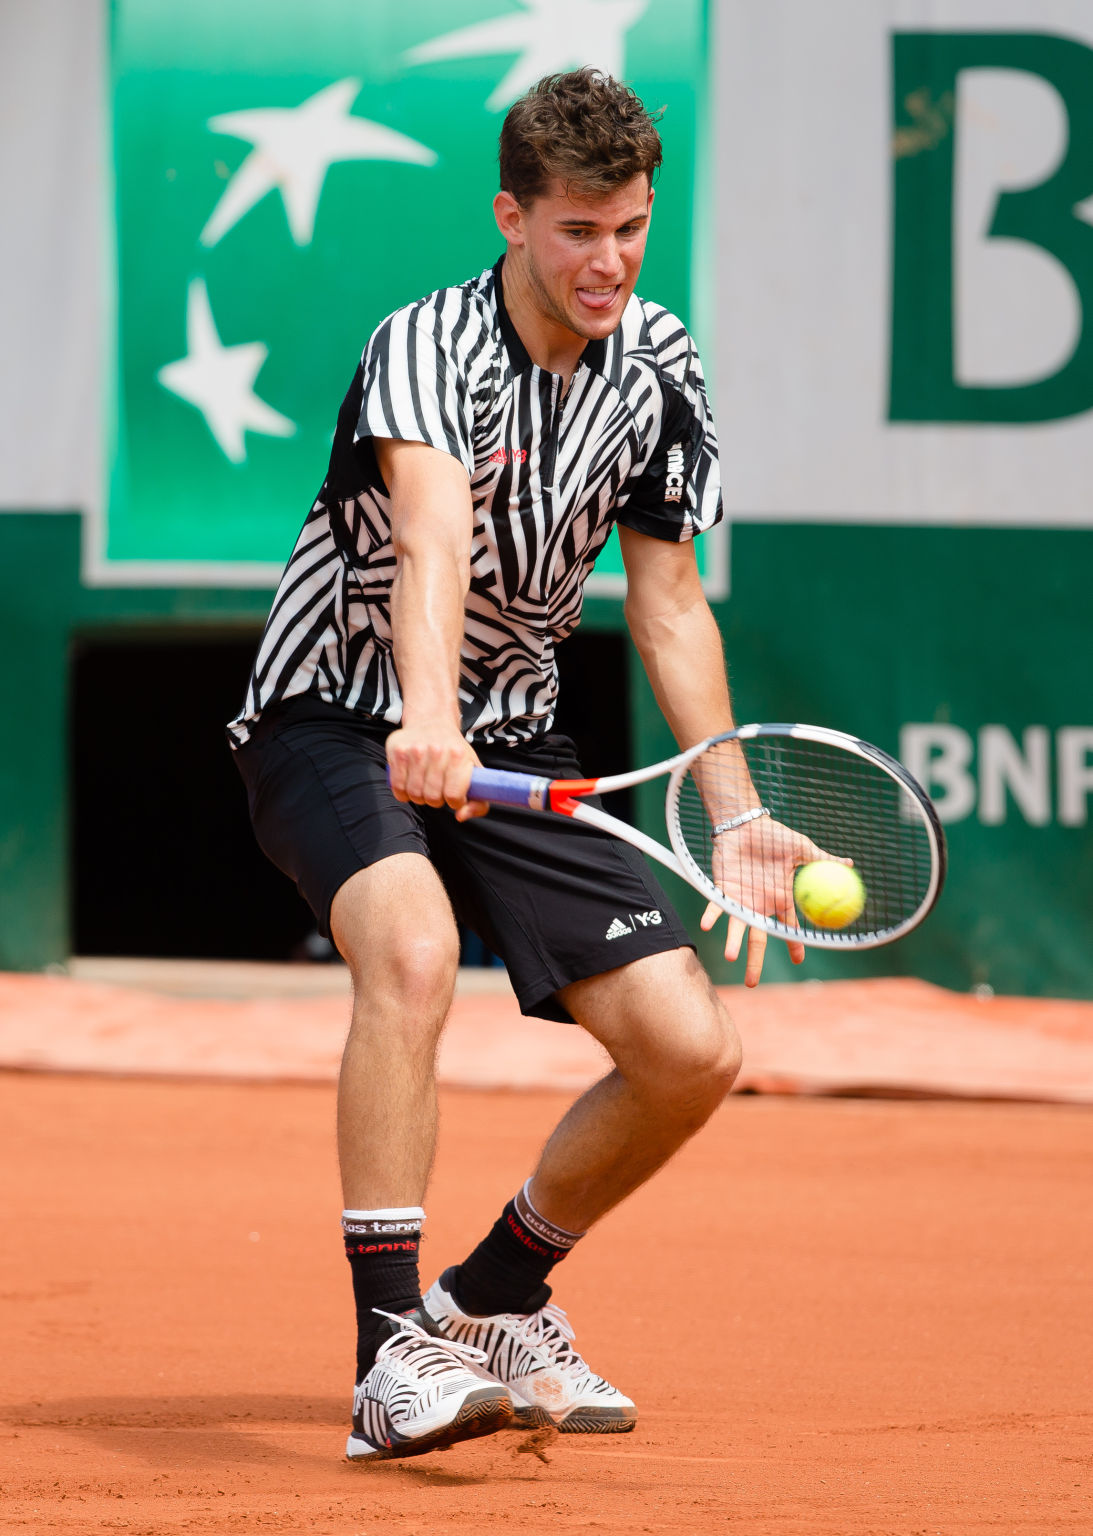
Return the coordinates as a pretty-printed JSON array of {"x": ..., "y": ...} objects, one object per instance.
[{"x": 585, "y": 128}]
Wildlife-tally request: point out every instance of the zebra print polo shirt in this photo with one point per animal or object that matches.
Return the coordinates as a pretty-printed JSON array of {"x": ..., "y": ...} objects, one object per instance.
[{"x": 631, "y": 440}]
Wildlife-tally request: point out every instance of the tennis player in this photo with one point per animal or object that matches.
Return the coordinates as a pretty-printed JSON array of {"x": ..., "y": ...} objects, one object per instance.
[{"x": 492, "y": 437}]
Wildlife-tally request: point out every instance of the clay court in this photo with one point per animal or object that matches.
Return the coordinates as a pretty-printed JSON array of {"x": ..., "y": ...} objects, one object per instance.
[{"x": 837, "y": 1315}]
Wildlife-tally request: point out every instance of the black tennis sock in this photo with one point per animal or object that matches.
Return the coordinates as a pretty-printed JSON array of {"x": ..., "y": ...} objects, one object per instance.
[
  {"x": 382, "y": 1249},
  {"x": 507, "y": 1271}
]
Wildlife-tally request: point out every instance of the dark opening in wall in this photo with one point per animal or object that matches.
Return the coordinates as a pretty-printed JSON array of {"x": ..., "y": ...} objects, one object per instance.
[{"x": 163, "y": 859}]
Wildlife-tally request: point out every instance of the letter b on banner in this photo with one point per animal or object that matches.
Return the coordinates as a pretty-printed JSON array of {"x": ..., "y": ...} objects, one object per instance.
[{"x": 1046, "y": 216}]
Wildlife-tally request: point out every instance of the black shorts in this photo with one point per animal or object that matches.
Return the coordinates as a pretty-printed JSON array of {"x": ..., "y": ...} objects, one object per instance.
[{"x": 557, "y": 901}]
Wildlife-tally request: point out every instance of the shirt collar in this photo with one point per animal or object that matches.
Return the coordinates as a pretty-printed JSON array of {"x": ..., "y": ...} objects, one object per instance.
[{"x": 594, "y": 355}]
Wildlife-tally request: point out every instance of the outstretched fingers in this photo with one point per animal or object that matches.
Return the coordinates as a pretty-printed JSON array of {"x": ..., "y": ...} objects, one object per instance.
[
  {"x": 783, "y": 910},
  {"x": 757, "y": 953},
  {"x": 736, "y": 931}
]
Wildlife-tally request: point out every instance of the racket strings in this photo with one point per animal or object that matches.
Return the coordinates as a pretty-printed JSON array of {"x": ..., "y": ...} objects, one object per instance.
[{"x": 844, "y": 805}]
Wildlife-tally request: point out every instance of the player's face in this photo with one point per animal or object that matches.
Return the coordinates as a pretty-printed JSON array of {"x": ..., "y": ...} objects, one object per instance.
[{"x": 581, "y": 256}]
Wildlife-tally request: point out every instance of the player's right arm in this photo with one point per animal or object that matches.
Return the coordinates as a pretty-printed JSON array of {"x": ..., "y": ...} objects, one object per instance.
[{"x": 431, "y": 525}]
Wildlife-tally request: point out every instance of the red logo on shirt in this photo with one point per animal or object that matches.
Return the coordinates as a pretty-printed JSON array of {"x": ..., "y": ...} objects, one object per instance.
[{"x": 505, "y": 456}]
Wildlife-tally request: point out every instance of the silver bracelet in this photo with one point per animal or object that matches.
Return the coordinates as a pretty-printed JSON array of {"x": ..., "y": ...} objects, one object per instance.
[{"x": 738, "y": 821}]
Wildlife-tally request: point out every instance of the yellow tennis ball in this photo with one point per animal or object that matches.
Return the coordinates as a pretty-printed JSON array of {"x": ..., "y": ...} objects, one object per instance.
[{"x": 828, "y": 894}]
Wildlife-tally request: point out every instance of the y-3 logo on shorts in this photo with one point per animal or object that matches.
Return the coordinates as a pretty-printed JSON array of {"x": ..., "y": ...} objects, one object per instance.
[{"x": 620, "y": 926}]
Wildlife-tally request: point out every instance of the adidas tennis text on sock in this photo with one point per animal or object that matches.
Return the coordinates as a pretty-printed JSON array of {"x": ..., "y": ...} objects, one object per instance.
[
  {"x": 507, "y": 1271},
  {"x": 382, "y": 1248}
]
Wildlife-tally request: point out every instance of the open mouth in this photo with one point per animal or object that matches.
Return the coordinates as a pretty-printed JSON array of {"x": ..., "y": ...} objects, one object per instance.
[{"x": 598, "y": 298}]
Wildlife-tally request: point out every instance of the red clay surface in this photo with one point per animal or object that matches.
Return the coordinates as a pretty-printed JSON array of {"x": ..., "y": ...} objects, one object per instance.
[{"x": 836, "y": 1316}]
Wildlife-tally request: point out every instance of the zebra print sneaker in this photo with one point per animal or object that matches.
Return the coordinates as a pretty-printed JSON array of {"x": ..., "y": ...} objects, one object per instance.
[
  {"x": 423, "y": 1394},
  {"x": 533, "y": 1355}
]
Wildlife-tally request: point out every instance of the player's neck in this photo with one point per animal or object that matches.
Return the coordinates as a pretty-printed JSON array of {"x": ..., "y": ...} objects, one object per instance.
[{"x": 550, "y": 344}]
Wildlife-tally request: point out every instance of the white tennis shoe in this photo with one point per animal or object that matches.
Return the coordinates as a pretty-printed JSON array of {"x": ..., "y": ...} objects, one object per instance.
[
  {"x": 423, "y": 1393},
  {"x": 532, "y": 1354}
]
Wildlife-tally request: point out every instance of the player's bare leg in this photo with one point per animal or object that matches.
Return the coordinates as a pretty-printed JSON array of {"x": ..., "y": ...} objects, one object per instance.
[
  {"x": 676, "y": 1055},
  {"x": 415, "y": 1392},
  {"x": 393, "y": 925}
]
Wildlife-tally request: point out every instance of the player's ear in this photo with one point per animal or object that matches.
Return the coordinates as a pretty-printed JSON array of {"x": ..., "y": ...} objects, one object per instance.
[{"x": 510, "y": 218}]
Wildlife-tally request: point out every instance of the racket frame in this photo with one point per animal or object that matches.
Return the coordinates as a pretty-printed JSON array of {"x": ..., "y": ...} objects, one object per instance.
[
  {"x": 564, "y": 797},
  {"x": 915, "y": 798}
]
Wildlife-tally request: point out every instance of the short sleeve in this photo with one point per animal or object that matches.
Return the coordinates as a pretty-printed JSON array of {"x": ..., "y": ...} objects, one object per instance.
[
  {"x": 675, "y": 492},
  {"x": 413, "y": 384}
]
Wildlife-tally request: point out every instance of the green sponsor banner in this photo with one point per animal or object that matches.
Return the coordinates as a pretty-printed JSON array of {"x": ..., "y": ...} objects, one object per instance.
[
  {"x": 961, "y": 651},
  {"x": 905, "y": 380},
  {"x": 285, "y": 176},
  {"x": 1051, "y": 216}
]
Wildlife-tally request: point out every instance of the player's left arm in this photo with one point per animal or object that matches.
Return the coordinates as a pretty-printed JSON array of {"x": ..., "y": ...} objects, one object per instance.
[
  {"x": 677, "y": 638},
  {"x": 676, "y": 635}
]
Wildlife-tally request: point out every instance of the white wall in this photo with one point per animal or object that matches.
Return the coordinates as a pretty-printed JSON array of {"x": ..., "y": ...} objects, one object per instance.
[{"x": 53, "y": 289}]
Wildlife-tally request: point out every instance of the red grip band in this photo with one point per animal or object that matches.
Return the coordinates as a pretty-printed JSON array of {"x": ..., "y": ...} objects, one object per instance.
[{"x": 563, "y": 793}]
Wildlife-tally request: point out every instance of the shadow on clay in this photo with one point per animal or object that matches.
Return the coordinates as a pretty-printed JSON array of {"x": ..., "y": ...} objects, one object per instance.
[
  {"x": 241, "y": 1430},
  {"x": 515, "y": 1455},
  {"x": 230, "y": 1430}
]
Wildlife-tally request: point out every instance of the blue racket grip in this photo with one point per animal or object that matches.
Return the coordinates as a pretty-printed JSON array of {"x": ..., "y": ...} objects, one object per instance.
[{"x": 502, "y": 788}]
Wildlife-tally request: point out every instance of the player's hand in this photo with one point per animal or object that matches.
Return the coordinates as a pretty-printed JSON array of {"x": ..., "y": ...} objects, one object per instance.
[
  {"x": 754, "y": 865},
  {"x": 431, "y": 765}
]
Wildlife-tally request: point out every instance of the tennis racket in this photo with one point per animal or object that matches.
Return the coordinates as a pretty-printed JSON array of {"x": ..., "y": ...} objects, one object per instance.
[{"x": 745, "y": 809}]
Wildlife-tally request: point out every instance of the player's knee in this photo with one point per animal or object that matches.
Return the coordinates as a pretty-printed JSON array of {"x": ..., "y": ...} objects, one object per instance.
[
  {"x": 417, "y": 973},
  {"x": 424, "y": 967},
  {"x": 730, "y": 1058},
  {"x": 703, "y": 1064}
]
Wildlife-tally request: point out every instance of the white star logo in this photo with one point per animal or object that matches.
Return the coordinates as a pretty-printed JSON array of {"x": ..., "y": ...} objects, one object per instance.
[
  {"x": 550, "y": 36},
  {"x": 294, "y": 147},
  {"x": 219, "y": 380}
]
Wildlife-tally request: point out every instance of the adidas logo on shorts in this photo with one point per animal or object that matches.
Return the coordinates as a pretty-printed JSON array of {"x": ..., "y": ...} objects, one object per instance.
[{"x": 618, "y": 927}]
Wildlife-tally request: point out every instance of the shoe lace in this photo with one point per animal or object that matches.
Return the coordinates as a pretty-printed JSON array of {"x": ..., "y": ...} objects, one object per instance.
[
  {"x": 549, "y": 1328},
  {"x": 444, "y": 1348}
]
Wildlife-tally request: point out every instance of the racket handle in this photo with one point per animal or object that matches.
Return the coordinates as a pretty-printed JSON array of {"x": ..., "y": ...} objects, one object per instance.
[{"x": 502, "y": 788}]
